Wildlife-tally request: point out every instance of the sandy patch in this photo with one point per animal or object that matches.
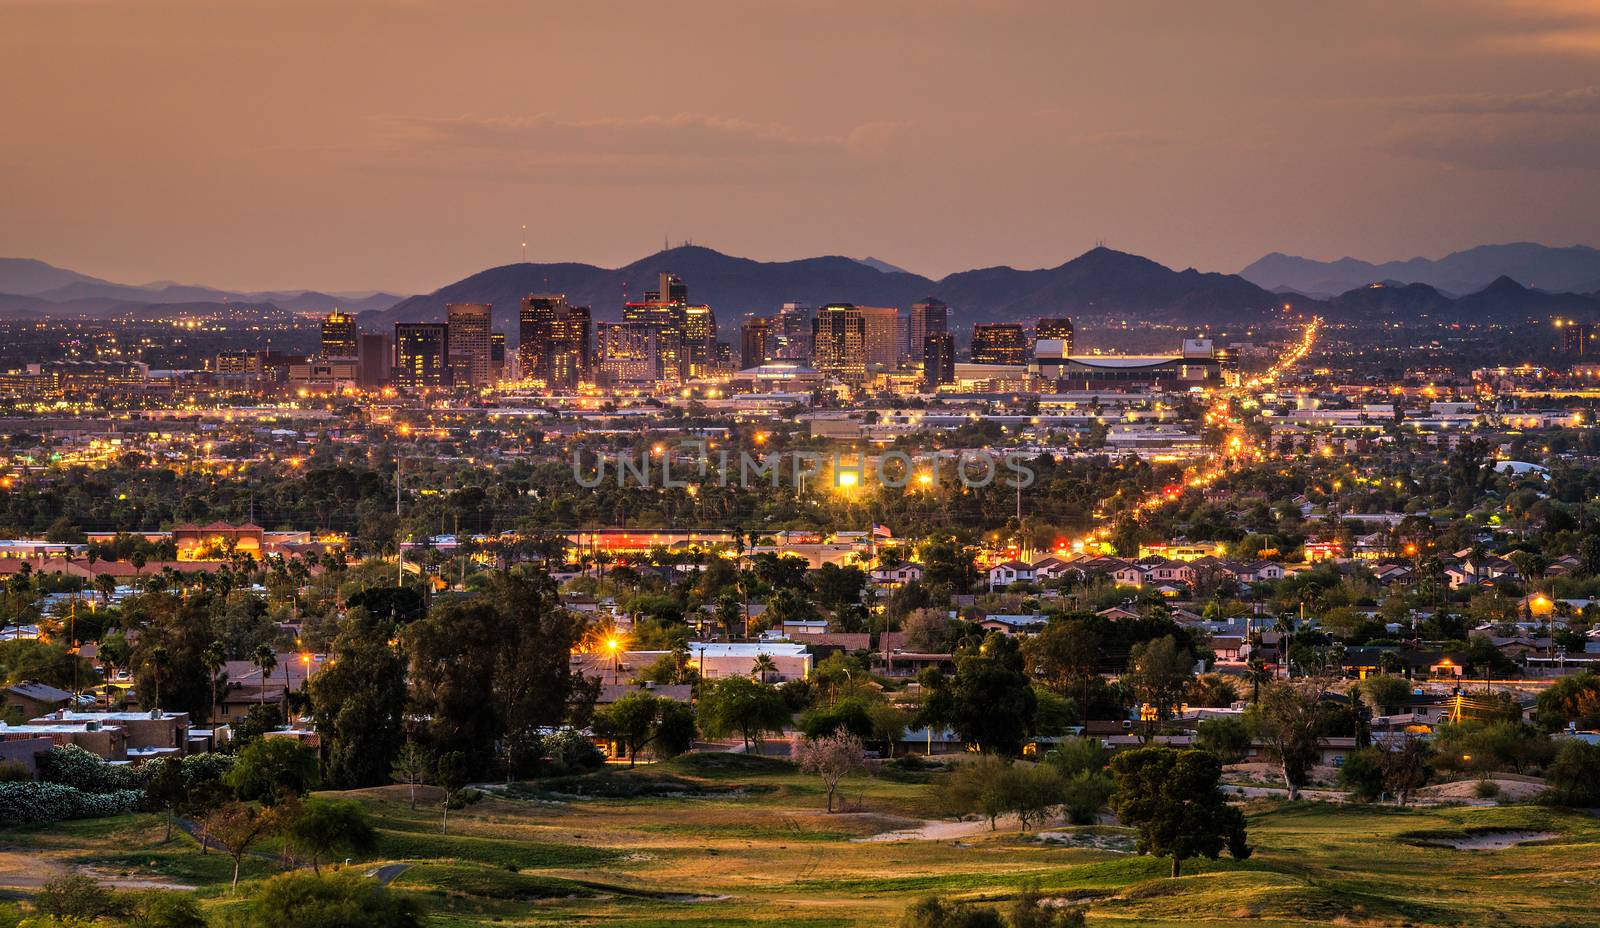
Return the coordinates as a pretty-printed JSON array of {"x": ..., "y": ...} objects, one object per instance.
[{"x": 1490, "y": 840}]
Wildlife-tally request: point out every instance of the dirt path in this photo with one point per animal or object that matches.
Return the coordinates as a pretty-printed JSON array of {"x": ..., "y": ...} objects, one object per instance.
[
  {"x": 944, "y": 830},
  {"x": 27, "y": 869}
]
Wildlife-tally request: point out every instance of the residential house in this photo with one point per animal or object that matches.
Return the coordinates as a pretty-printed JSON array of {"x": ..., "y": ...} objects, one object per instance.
[
  {"x": 1009, "y": 572},
  {"x": 898, "y": 575},
  {"x": 32, "y": 698}
]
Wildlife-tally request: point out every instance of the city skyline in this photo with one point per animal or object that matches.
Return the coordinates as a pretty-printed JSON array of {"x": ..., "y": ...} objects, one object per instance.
[{"x": 1200, "y": 137}]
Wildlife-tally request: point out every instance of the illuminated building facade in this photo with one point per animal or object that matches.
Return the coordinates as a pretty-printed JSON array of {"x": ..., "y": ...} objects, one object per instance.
[
  {"x": 999, "y": 343},
  {"x": 755, "y": 341},
  {"x": 339, "y": 335},
  {"x": 925, "y": 318},
  {"x": 421, "y": 354},
  {"x": 938, "y": 360},
  {"x": 1055, "y": 329},
  {"x": 470, "y": 325},
  {"x": 881, "y": 337},
  {"x": 839, "y": 337}
]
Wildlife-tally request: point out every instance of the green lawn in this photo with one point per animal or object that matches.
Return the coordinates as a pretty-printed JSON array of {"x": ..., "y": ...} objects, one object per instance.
[{"x": 750, "y": 845}]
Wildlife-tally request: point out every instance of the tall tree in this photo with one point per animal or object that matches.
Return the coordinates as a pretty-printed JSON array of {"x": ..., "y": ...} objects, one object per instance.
[
  {"x": 488, "y": 671},
  {"x": 740, "y": 706},
  {"x": 1289, "y": 720},
  {"x": 358, "y": 701},
  {"x": 1159, "y": 673},
  {"x": 1175, "y": 800},
  {"x": 989, "y": 701},
  {"x": 642, "y": 720}
]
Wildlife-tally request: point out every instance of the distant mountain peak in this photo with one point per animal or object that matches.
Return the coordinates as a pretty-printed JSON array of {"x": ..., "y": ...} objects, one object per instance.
[{"x": 878, "y": 264}]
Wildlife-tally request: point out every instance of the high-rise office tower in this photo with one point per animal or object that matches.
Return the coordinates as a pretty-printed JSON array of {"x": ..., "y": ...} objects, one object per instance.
[
  {"x": 339, "y": 334},
  {"x": 534, "y": 325},
  {"x": 670, "y": 288},
  {"x": 667, "y": 320},
  {"x": 626, "y": 354},
  {"x": 792, "y": 333},
  {"x": 1057, "y": 329},
  {"x": 839, "y": 341},
  {"x": 938, "y": 360},
  {"x": 470, "y": 325},
  {"x": 1000, "y": 343},
  {"x": 571, "y": 361},
  {"x": 497, "y": 356},
  {"x": 755, "y": 342},
  {"x": 925, "y": 318},
  {"x": 421, "y": 354},
  {"x": 373, "y": 360},
  {"x": 881, "y": 327},
  {"x": 699, "y": 341}
]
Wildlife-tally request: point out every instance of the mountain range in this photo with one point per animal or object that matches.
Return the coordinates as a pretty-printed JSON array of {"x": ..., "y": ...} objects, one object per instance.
[
  {"x": 30, "y": 288},
  {"x": 1099, "y": 283},
  {"x": 1566, "y": 270}
]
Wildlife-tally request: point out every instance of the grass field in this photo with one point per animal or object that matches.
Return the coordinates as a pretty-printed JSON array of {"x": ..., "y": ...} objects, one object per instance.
[{"x": 740, "y": 841}]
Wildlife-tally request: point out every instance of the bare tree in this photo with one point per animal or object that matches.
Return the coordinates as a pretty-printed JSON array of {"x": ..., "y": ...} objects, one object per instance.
[
  {"x": 833, "y": 758},
  {"x": 236, "y": 826}
]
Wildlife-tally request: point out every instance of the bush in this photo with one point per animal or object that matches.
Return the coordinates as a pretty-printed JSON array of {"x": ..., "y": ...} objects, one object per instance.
[
  {"x": 70, "y": 765},
  {"x": 341, "y": 900},
  {"x": 1362, "y": 775},
  {"x": 1486, "y": 789},
  {"x": 29, "y": 802},
  {"x": 1228, "y": 737},
  {"x": 1084, "y": 795},
  {"x": 166, "y": 909},
  {"x": 567, "y": 753},
  {"x": 936, "y": 913},
  {"x": 1574, "y": 776},
  {"x": 77, "y": 897}
]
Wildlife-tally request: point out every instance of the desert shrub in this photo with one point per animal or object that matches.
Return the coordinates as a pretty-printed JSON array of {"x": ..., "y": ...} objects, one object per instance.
[
  {"x": 1486, "y": 789},
  {"x": 567, "y": 753},
  {"x": 1574, "y": 776},
  {"x": 28, "y": 802},
  {"x": 340, "y": 900},
  {"x": 77, "y": 896},
  {"x": 70, "y": 765}
]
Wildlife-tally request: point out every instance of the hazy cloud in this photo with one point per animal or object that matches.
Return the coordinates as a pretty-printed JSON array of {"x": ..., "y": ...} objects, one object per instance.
[
  {"x": 1503, "y": 145},
  {"x": 684, "y": 146},
  {"x": 1581, "y": 100}
]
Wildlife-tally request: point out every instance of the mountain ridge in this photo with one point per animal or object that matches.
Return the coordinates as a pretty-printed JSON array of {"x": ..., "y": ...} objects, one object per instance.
[{"x": 1570, "y": 269}]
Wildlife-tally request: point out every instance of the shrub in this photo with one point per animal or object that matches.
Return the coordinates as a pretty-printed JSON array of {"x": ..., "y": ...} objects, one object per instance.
[
  {"x": 28, "y": 802},
  {"x": 70, "y": 765},
  {"x": 567, "y": 752},
  {"x": 1574, "y": 776},
  {"x": 342, "y": 900},
  {"x": 936, "y": 913},
  {"x": 1362, "y": 775},
  {"x": 165, "y": 909},
  {"x": 1084, "y": 795},
  {"x": 77, "y": 897},
  {"x": 1486, "y": 789}
]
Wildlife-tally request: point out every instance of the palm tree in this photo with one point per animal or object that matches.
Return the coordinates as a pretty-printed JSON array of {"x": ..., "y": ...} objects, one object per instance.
[
  {"x": 763, "y": 666},
  {"x": 105, "y": 585},
  {"x": 157, "y": 661},
  {"x": 267, "y": 659},
  {"x": 214, "y": 660},
  {"x": 1258, "y": 674}
]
